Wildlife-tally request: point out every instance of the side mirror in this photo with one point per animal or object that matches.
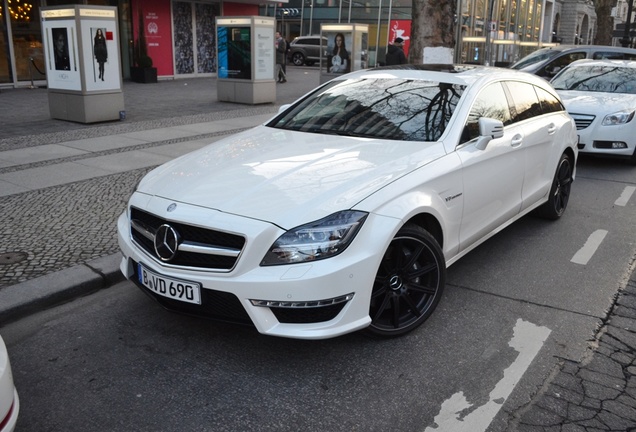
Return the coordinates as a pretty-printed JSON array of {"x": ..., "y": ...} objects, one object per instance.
[
  {"x": 489, "y": 129},
  {"x": 283, "y": 108}
]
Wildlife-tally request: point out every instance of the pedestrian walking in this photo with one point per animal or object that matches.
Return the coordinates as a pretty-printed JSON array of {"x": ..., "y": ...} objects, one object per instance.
[
  {"x": 395, "y": 53},
  {"x": 281, "y": 51}
]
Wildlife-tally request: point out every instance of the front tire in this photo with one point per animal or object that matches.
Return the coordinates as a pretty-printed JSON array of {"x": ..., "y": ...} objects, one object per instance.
[
  {"x": 409, "y": 283},
  {"x": 560, "y": 191}
]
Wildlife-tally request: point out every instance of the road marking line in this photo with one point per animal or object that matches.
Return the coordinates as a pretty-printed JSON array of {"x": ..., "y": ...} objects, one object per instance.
[
  {"x": 589, "y": 248},
  {"x": 625, "y": 196},
  {"x": 528, "y": 339}
]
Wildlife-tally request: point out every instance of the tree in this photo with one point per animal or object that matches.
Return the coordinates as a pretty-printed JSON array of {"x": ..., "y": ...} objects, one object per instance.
[
  {"x": 604, "y": 21},
  {"x": 433, "y": 25}
]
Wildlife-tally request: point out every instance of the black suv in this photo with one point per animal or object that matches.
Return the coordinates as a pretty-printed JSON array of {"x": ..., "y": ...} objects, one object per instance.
[{"x": 305, "y": 50}]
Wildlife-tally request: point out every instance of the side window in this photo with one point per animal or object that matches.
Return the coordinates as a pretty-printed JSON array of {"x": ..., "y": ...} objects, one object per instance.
[
  {"x": 562, "y": 61},
  {"x": 615, "y": 55},
  {"x": 312, "y": 42},
  {"x": 492, "y": 103},
  {"x": 525, "y": 102},
  {"x": 549, "y": 102}
]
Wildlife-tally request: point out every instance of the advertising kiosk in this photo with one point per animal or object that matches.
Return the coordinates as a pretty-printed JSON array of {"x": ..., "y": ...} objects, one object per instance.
[
  {"x": 347, "y": 49},
  {"x": 246, "y": 59},
  {"x": 81, "y": 45}
]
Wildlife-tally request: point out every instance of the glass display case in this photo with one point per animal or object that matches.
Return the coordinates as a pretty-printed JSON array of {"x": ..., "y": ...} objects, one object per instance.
[
  {"x": 346, "y": 49},
  {"x": 246, "y": 59}
]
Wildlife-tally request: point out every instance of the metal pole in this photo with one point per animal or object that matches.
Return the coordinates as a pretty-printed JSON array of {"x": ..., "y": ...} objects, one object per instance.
[
  {"x": 487, "y": 29},
  {"x": 377, "y": 36},
  {"x": 626, "y": 37},
  {"x": 302, "y": 17}
]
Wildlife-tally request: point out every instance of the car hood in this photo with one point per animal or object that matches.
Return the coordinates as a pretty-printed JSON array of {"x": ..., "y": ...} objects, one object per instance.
[
  {"x": 583, "y": 102},
  {"x": 286, "y": 177}
]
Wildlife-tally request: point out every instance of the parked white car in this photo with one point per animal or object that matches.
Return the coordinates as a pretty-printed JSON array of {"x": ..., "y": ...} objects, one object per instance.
[
  {"x": 343, "y": 212},
  {"x": 601, "y": 97},
  {"x": 9, "y": 401}
]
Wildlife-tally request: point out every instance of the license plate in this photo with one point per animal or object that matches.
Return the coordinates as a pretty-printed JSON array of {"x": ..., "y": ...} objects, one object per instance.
[{"x": 175, "y": 289}]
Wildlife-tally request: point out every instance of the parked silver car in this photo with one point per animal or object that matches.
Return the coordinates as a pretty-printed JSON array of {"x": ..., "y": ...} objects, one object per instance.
[
  {"x": 547, "y": 62},
  {"x": 305, "y": 50}
]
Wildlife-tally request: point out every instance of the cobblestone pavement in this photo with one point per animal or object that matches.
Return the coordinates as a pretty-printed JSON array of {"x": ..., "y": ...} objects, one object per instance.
[
  {"x": 61, "y": 226},
  {"x": 598, "y": 393}
]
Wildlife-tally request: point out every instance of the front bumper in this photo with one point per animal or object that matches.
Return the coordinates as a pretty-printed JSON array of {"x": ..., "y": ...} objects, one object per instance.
[
  {"x": 316, "y": 300},
  {"x": 597, "y": 139}
]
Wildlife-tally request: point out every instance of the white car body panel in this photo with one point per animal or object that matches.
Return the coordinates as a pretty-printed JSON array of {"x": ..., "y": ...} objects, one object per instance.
[
  {"x": 9, "y": 401},
  {"x": 262, "y": 182}
]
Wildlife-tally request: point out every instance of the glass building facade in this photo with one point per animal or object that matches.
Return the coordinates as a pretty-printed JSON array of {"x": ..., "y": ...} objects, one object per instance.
[{"x": 488, "y": 31}]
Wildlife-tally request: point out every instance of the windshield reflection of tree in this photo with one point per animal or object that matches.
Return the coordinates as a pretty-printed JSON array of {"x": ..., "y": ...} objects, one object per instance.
[
  {"x": 387, "y": 108},
  {"x": 608, "y": 79}
]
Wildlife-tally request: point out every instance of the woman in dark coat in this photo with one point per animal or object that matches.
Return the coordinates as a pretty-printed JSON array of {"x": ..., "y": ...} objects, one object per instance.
[{"x": 100, "y": 52}]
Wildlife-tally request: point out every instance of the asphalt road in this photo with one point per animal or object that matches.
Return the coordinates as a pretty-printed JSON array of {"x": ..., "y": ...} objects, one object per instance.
[{"x": 514, "y": 309}]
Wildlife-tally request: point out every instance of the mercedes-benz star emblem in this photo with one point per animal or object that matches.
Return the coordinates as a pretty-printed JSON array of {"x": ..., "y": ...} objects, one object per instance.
[{"x": 166, "y": 242}]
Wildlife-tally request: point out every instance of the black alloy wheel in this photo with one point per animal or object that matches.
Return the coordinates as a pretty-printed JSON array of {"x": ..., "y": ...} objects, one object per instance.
[
  {"x": 409, "y": 283},
  {"x": 298, "y": 58},
  {"x": 560, "y": 190}
]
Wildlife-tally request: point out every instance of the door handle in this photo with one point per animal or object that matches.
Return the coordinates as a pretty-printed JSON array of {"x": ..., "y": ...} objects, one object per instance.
[
  {"x": 516, "y": 140},
  {"x": 552, "y": 128}
]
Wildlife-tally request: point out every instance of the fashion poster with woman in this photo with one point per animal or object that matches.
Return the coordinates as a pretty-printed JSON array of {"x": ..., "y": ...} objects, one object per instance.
[
  {"x": 338, "y": 55},
  {"x": 62, "y": 64},
  {"x": 101, "y": 55}
]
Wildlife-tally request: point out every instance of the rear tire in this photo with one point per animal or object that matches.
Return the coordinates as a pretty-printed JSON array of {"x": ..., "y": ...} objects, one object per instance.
[
  {"x": 560, "y": 191},
  {"x": 409, "y": 283},
  {"x": 298, "y": 59}
]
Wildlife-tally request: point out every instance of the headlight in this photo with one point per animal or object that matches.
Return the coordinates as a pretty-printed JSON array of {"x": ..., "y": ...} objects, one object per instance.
[
  {"x": 316, "y": 240},
  {"x": 618, "y": 118}
]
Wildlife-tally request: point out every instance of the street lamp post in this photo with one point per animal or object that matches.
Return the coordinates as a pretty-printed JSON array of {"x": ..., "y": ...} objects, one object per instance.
[{"x": 626, "y": 39}]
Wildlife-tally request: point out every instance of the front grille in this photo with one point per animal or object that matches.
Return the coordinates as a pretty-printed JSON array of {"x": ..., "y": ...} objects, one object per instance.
[
  {"x": 215, "y": 250},
  {"x": 216, "y": 305},
  {"x": 582, "y": 120}
]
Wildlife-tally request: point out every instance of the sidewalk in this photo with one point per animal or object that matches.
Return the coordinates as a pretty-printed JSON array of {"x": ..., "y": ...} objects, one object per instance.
[{"x": 63, "y": 185}]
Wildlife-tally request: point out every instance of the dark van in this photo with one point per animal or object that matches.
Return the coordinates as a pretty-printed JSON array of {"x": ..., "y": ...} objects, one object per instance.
[{"x": 547, "y": 62}]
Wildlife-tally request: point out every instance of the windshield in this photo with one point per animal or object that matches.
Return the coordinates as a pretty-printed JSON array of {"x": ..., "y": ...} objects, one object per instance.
[
  {"x": 607, "y": 79},
  {"x": 535, "y": 57},
  {"x": 397, "y": 109}
]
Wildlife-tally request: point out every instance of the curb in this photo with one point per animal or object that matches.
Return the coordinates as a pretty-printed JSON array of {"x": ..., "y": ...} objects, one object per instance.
[{"x": 18, "y": 301}]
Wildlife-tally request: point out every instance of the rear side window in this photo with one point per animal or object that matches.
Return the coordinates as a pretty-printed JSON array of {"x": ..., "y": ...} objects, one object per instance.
[
  {"x": 599, "y": 55},
  {"x": 549, "y": 102},
  {"x": 525, "y": 101},
  {"x": 311, "y": 41}
]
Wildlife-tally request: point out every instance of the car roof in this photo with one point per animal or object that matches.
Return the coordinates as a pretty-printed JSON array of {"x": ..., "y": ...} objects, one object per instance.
[
  {"x": 450, "y": 73},
  {"x": 604, "y": 62},
  {"x": 589, "y": 47}
]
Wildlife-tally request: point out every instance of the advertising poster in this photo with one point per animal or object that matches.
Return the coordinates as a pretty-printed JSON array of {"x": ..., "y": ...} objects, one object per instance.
[
  {"x": 62, "y": 56},
  {"x": 234, "y": 52},
  {"x": 264, "y": 53},
  {"x": 101, "y": 55},
  {"x": 153, "y": 18},
  {"x": 401, "y": 29},
  {"x": 338, "y": 52}
]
